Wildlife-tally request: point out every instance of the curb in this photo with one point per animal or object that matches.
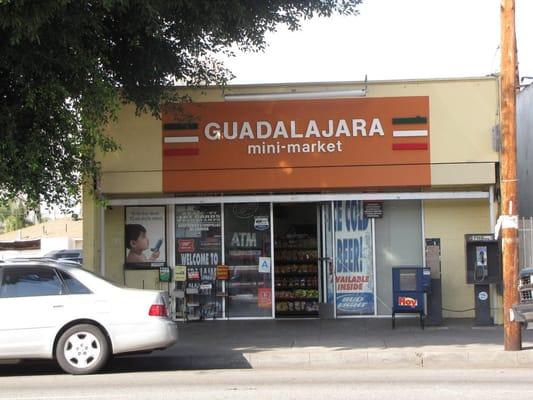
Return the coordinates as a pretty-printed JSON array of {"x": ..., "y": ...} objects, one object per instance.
[{"x": 360, "y": 359}]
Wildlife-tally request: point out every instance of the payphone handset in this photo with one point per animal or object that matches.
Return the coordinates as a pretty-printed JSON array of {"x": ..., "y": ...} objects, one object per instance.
[{"x": 481, "y": 270}]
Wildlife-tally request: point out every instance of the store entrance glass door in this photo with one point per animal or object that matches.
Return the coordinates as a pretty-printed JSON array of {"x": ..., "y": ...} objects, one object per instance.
[
  {"x": 247, "y": 246},
  {"x": 296, "y": 264}
]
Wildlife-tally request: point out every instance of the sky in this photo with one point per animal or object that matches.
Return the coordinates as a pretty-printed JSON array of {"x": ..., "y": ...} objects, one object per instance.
[{"x": 391, "y": 39}]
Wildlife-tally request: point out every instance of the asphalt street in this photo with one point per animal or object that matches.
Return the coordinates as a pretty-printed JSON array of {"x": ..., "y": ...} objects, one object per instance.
[{"x": 278, "y": 384}]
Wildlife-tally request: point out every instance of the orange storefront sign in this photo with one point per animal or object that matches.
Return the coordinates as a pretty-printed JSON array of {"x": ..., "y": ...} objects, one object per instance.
[
  {"x": 296, "y": 145},
  {"x": 222, "y": 272}
]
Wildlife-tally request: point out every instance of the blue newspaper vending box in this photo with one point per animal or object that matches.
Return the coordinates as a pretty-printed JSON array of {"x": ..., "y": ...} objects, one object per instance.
[{"x": 409, "y": 285}]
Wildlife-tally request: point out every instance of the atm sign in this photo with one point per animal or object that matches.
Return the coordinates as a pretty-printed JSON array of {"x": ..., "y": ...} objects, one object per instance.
[{"x": 407, "y": 302}]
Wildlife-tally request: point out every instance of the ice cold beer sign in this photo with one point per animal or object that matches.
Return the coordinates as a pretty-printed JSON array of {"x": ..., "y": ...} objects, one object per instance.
[{"x": 354, "y": 263}]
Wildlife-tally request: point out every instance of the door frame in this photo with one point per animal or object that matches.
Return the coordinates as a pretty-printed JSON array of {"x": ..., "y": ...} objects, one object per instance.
[{"x": 325, "y": 208}]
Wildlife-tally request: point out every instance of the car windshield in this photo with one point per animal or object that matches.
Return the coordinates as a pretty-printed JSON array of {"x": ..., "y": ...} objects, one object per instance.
[{"x": 72, "y": 254}]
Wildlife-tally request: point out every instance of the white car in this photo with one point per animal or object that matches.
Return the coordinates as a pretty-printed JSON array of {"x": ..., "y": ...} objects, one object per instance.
[{"x": 57, "y": 310}]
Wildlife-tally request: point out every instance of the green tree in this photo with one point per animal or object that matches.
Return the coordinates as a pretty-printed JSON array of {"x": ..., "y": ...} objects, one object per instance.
[
  {"x": 13, "y": 216},
  {"x": 67, "y": 65}
]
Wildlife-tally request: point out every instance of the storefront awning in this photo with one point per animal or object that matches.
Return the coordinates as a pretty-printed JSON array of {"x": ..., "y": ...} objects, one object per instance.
[{"x": 300, "y": 198}]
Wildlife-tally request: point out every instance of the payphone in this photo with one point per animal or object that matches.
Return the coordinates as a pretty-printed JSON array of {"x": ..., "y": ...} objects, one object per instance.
[
  {"x": 483, "y": 267},
  {"x": 434, "y": 298}
]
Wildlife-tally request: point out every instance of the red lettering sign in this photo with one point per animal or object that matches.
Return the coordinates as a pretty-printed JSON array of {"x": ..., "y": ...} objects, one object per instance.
[
  {"x": 353, "y": 279},
  {"x": 407, "y": 302},
  {"x": 186, "y": 245}
]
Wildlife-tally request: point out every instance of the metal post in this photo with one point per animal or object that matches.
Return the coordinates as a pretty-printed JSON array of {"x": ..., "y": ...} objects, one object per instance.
[
  {"x": 492, "y": 220},
  {"x": 509, "y": 203},
  {"x": 334, "y": 261},
  {"x": 102, "y": 241},
  {"x": 272, "y": 262},
  {"x": 374, "y": 266},
  {"x": 530, "y": 252},
  {"x": 225, "y": 289}
]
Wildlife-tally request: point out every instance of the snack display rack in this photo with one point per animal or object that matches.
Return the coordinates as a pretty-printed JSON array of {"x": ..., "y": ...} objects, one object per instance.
[
  {"x": 192, "y": 295},
  {"x": 197, "y": 297},
  {"x": 177, "y": 296},
  {"x": 177, "y": 293},
  {"x": 296, "y": 277}
]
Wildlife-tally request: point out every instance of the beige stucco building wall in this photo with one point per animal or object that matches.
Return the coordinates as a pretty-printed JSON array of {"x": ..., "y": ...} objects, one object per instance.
[
  {"x": 463, "y": 113},
  {"x": 450, "y": 221}
]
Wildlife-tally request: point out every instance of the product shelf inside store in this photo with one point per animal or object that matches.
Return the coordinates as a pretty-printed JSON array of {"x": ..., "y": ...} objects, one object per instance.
[
  {"x": 296, "y": 248},
  {"x": 297, "y": 262},
  {"x": 296, "y": 298},
  {"x": 297, "y": 313},
  {"x": 291, "y": 274},
  {"x": 296, "y": 287},
  {"x": 296, "y": 272}
]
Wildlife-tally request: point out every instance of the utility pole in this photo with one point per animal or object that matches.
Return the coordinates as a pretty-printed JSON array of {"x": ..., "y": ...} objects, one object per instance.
[{"x": 508, "y": 181}]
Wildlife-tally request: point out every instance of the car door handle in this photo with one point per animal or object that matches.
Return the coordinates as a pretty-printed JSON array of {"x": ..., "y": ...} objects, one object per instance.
[{"x": 58, "y": 306}]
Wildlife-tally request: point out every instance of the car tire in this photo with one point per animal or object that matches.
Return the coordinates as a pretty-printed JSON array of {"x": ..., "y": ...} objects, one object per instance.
[{"x": 82, "y": 349}]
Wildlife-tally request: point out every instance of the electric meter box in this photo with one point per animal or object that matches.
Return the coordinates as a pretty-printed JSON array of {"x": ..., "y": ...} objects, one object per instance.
[{"x": 483, "y": 259}]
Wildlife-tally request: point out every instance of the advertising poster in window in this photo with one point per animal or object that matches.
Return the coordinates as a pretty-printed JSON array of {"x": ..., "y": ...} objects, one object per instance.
[
  {"x": 354, "y": 266},
  {"x": 145, "y": 237},
  {"x": 199, "y": 248}
]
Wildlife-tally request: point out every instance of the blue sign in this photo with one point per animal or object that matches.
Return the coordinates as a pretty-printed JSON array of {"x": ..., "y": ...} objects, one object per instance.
[
  {"x": 354, "y": 274},
  {"x": 355, "y": 303}
]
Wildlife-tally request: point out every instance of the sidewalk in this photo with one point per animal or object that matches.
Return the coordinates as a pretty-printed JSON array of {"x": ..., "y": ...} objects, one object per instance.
[{"x": 348, "y": 343}]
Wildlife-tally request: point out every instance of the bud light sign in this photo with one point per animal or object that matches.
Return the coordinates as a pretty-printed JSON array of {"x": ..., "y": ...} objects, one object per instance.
[
  {"x": 354, "y": 260},
  {"x": 362, "y": 302}
]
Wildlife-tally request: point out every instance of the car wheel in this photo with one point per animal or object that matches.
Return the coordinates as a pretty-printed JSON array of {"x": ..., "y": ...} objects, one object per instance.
[{"x": 82, "y": 349}]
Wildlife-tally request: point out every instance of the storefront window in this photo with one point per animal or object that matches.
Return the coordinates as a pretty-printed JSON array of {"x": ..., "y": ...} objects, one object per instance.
[
  {"x": 354, "y": 260},
  {"x": 399, "y": 234},
  {"x": 247, "y": 240},
  {"x": 199, "y": 248}
]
